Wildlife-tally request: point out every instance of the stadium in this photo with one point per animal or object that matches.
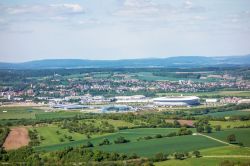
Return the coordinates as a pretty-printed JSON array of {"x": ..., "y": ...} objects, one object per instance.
[{"x": 177, "y": 101}]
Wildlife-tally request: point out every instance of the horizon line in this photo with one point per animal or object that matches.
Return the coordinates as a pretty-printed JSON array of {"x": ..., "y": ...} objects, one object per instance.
[{"x": 33, "y": 60}]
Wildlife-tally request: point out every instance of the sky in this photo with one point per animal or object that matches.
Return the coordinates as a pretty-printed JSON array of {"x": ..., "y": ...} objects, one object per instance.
[{"x": 122, "y": 29}]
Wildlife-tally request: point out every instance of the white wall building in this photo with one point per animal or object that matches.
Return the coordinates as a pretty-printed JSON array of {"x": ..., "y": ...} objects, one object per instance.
[{"x": 177, "y": 101}]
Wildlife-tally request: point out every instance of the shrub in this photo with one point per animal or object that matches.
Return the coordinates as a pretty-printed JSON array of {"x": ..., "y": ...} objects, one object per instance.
[
  {"x": 179, "y": 156},
  {"x": 104, "y": 142},
  {"x": 197, "y": 154},
  {"x": 158, "y": 136},
  {"x": 121, "y": 140}
]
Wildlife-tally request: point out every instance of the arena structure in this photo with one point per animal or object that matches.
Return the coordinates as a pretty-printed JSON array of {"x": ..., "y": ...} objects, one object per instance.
[{"x": 177, "y": 101}]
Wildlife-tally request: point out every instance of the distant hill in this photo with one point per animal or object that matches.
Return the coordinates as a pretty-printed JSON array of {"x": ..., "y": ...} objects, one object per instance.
[{"x": 180, "y": 62}]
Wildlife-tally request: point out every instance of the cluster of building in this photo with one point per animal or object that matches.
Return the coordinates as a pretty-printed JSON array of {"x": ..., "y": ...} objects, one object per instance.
[
  {"x": 122, "y": 103},
  {"x": 59, "y": 86}
]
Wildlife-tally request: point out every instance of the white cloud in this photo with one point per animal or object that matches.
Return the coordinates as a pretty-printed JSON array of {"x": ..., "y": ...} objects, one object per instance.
[
  {"x": 59, "y": 18},
  {"x": 137, "y": 8},
  {"x": 53, "y": 9},
  {"x": 68, "y": 8},
  {"x": 188, "y": 4},
  {"x": 23, "y": 9},
  {"x": 201, "y": 18}
]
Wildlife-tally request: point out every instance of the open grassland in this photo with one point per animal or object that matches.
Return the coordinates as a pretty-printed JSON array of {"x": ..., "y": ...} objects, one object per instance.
[
  {"x": 53, "y": 135},
  {"x": 226, "y": 150},
  {"x": 211, "y": 94},
  {"x": 19, "y": 112},
  {"x": 115, "y": 123},
  {"x": 145, "y": 148},
  {"x": 242, "y": 135},
  {"x": 50, "y": 135},
  {"x": 119, "y": 123},
  {"x": 200, "y": 161},
  {"x": 57, "y": 114},
  {"x": 149, "y": 76},
  {"x": 226, "y": 114},
  {"x": 34, "y": 113},
  {"x": 149, "y": 148},
  {"x": 230, "y": 124},
  {"x": 131, "y": 134}
]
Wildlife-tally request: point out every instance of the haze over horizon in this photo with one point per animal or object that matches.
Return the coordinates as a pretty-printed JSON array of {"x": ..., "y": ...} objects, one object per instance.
[{"x": 122, "y": 29}]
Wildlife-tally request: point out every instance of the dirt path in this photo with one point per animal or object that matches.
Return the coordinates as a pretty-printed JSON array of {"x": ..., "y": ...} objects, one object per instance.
[
  {"x": 215, "y": 139},
  {"x": 17, "y": 138}
]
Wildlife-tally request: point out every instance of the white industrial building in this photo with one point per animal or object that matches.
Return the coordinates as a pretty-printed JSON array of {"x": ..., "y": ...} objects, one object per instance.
[
  {"x": 177, "y": 101},
  {"x": 132, "y": 99},
  {"x": 212, "y": 100}
]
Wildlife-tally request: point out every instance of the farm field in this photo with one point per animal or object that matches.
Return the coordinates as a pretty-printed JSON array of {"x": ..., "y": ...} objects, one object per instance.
[
  {"x": 58, "y": 114},
  {"x": 148, "y": 76},
  {"x": 131, "y": 134},
  {"x": 166, "y": 145},
  {"x": 200, "y": 161},
  {"x": 119, "y": 123},
  {"x": 226, "y": 114},
  {"x": 242, "y": 135},
  {"x": 149, "y": 148},
  {"x": 49, "y": 133},
  {"x": 12, "y": 142},
  {"x": 226, "y": 150},
  {"x": 19, "y": 112},
  {"x": 34, "y": 113},
  {"x": 230, "y": 124},
  {"x": 210, "y": 94}
]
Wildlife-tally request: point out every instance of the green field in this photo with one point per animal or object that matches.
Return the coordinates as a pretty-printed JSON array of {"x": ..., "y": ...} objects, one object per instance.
[
  {"x": 226, "y": 150},
  {"x": 148, "y": 76},
  {"x": 200, "y": 162},
  {"x": 149, "y": 148},
  {"x": 242, "y": 135},
  {"x": 226, "y": 113},
  {"x": 19, "y": 112},
  {"x": 51, "y": 137},
  {"x": 34, "y": 113},
  {"x": 57, "y": 114},
  {"x": 211, "y": 94},
  {"x": 118, "y": 123},
  {"x": 143, "y": 147},
  {"x": 131, "y": 134},
  {"x": 230, "y": 124}
]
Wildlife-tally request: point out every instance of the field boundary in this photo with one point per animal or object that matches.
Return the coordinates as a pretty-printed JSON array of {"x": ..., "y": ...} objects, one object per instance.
[{"x": 215, "y": 139}]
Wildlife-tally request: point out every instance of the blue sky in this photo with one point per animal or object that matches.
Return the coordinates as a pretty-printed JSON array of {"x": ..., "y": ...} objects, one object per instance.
[{"x": 121, "y": 29}]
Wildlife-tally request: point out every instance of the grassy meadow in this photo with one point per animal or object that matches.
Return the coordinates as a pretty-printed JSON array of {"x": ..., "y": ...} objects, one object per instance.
[
  {"x": 19, "y": 112},
  {"x": 230, "y": 124},
  {"x": 222, "y": 93},
  {"x": 145, "y": 148},
  {"x": 226, "y": 114},
  {"x": 200, "y": 161},
  {"x": 225, "y": 150},
  {"x": 242, "y": 135},
  {"x": 149, "y": 148}
]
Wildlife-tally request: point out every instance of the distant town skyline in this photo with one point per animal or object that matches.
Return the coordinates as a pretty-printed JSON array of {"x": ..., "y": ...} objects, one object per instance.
[{"x": 122, "y": 29}]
